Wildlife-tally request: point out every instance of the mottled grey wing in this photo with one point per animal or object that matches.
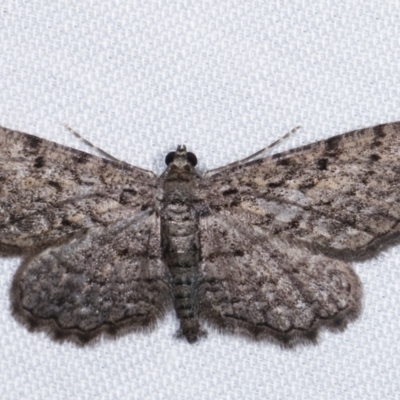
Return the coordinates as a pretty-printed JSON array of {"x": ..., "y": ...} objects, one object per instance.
[
  {"x": 49, "y": 192},
  {"x": 340, "y": 196},
  {"x": 257, "y": 285},
  {"x": 109, "y": 280}
]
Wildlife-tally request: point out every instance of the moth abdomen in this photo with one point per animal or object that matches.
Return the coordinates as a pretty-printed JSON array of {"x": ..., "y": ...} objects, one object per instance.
[
  {"x": 181, "y": 242},
  {"x": 181, "y": 250}
]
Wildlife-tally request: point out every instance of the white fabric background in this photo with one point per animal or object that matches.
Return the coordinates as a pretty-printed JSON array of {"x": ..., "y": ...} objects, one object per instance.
[{"x": 224, "y": 77}]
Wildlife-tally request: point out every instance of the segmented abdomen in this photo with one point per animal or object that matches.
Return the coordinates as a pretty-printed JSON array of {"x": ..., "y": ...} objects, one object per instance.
[{"x": 181, "y": 245}]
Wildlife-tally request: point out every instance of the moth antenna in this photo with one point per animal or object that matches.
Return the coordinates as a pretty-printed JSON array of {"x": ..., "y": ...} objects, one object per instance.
[
  {"x": 102, "y": 152},
  {"x": 251, "y": 157}
]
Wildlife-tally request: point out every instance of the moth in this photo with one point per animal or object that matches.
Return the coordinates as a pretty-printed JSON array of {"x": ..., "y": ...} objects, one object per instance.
[{"x": 260, "y": 249}]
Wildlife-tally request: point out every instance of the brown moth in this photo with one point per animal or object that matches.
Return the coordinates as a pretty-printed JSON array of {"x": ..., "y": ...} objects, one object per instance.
[{"x": 259, "y": 248}]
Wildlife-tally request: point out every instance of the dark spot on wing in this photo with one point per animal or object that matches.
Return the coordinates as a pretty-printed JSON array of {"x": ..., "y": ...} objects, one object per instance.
[
  {"x": 322, "y": 164},
  {"x": 55, "y": 184},
  {"x": 374, "y": 157},
  {"x": 294, "y": 224},
  {"x": 204, "y": 211},
  {"x": 332, "y": 144},
  {"x": 39, "y": 162},
  {"x": 378, "y": 131},
  {"x": 123, "y": 252},
  {"x": 66, "y": 222},
  {"x": 144, "y": 207},
  {"x": 376, "y": 143},
  {"x": 81, "y": 158},
  {"x": 284, "y": 162},
  {"x": 349, "y": 220},
  {"x": 127, "y": 196},
  {"x": 307, "y": 185},
  {"x": 248, "y": 184},
  {"x": 239, "y": 253},
  {"x": 235, "y": 201},
  {"x": 33, "y": 141},
  {"x": 277, "y": 230},
  {"x": 229, "y": 191},
  {"x": 275, "y": 184}
]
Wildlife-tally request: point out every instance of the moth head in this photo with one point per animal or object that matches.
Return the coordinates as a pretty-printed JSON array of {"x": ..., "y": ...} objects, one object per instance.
[{"x": 181, "y": 158}]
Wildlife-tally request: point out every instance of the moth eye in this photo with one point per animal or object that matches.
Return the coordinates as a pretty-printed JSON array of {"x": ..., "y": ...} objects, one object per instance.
[
  {"x": 191, "y": 158},
  {"x": 169, "y": 158}
]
